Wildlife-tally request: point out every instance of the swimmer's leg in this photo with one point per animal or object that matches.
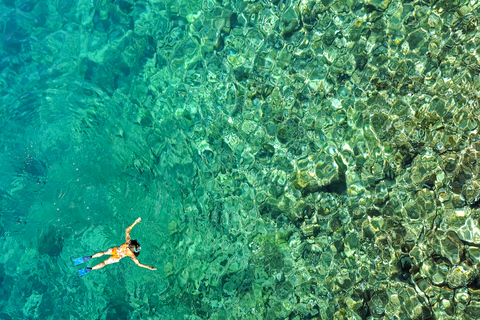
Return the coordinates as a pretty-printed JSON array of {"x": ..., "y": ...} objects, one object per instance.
[
  {"x": 81, "y": 260},
  {"x": 99, "y": 254},
  {"x": 110, "y": 260},
  {"x": 104, "y": 263}
]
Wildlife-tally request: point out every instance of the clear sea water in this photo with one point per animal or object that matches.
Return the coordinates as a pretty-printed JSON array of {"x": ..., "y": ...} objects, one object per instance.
[
  {"x": 77, "y": 165},
  {"x": 112, "y": 110}
]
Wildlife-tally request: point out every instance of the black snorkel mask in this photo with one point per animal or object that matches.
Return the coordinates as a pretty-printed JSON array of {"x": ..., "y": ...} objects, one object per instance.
[{"x": 135, "y": 247}]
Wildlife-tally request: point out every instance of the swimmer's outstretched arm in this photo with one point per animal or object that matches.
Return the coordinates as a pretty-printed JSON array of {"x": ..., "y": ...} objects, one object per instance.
[
  {"x": 127, "y": 231},
  {"x": 142, "y": 265}
]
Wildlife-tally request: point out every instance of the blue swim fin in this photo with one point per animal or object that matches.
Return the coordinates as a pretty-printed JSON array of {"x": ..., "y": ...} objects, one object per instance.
[
  {"x": 84, "y": 271},
  {"x": 81, "y": 260}
]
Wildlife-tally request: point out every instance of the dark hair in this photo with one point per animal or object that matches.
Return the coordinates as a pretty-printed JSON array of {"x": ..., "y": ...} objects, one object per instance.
[{"x": 134, "y": 246}]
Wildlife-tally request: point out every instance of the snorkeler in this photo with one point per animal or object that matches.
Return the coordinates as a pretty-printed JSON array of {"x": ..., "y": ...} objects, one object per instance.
[{"x": 131, "y": 248}]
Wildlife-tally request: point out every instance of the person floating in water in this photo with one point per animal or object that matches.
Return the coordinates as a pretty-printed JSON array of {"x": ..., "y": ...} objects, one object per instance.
[{"x": 131, "y": 248}]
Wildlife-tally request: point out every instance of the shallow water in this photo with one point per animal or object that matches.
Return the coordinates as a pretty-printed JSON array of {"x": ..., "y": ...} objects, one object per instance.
[{"x": 289, "y": 159}]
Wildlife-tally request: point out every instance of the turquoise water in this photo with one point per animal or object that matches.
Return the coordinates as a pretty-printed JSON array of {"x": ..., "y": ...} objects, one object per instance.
[
  {"x": 289, "y": 159},
  {"x": 81, "y": 145}
]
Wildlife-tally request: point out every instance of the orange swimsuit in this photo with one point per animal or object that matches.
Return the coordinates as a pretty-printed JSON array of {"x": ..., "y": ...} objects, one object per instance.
[
  {"x": 114, "y": 253},
  {"x": 123, "y": 251}
]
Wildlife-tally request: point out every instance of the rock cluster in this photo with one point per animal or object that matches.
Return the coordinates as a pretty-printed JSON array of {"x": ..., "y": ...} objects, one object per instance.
[{"x": 342, "y": 137}]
